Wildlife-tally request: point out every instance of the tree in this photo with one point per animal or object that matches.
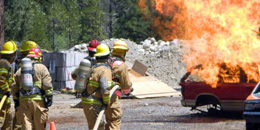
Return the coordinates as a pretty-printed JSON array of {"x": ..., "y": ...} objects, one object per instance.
[
  {"x": 91, "y": 20},
  {"x": 73, "y": 23},
  {"x": 130, "y": 22},
  {"x": 1, "y": 23},
  {"x": 26, "y": 20},
  {"x": 54, "y": 24}
]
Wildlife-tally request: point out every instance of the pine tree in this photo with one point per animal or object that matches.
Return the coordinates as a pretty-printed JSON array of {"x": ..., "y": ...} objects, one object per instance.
[
  {"x": 91, "y": 18},
  {"x": 1, "y": 22},
  {"x": 25, "y": 20},
  {"x": 130, "y": 22}
]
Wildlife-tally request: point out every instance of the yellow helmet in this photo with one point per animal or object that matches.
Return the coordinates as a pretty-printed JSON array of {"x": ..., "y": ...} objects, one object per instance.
[
  {"x": 28, "y": 45},
  {"x": 120, "y": 45},
  {"x": 9, "y": 48},
  {"x": 102, "y": 50}
]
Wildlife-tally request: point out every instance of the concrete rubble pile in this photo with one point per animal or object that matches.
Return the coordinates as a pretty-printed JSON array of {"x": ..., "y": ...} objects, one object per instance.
[
  {"x": 80, "y": 48},
  {"x": 60, "y": 65}
]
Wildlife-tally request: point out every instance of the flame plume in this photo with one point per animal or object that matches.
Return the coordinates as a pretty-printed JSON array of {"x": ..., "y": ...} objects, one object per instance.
[{"x": 219, "y": 31}]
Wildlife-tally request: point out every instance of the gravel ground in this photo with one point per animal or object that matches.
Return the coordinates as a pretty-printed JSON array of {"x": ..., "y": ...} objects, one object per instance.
[{"x": 145, "y": 114}]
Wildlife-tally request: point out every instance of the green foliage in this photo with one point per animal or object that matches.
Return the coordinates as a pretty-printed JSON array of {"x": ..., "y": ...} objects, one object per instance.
[
  {"x": 25, "y": 20},
  {"x": 53, "y": 24},
  {"x": 91, "y": 18},
  {"x": 60, "y": 24},
  {"x": 130, "y": 22}
]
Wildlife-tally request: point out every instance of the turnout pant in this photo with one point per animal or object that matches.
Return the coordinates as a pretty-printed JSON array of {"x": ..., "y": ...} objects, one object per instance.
[
  {"x": 113, "y": 115},
  {"x": 16, "y": 126},
  {"x": 6, "y": 115},
  {"x": 32, "y": 115}
]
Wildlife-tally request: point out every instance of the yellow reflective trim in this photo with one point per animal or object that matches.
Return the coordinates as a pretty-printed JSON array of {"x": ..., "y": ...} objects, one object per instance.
[
  {"x": 5, "y": 86},
  {"x": 48, "y": 92},
  {"x": 8, "y": 100},
  {"x": 91, "y": 101},
  {"x": 93, "y": 84},
  {"x": 3, "y": 70},
  {"x": 37, "y": 83},
  {"x": 106, "y": 97},
  {"x": 10, "y": 80},
  {"x": 106, "y": 100},
  {"x": 30, "y": 97}
]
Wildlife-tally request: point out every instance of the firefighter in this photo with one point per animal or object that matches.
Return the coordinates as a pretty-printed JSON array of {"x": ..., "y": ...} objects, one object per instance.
[
  {"x": 117, "y": 61},
  {"x": 121, "y": 77},
  {"x": 97, "y": 91},
  {"x": 8, "y": 53},
  {"x": 20, "y": 55},
  {"x": 91, "y": 51},
  {"x": 32, "y": 92}
]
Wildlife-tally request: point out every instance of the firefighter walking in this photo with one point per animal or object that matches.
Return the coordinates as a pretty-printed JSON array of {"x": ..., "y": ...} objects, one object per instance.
[
  {"x": 32, "y": 92},
  {"x": 91, "y": 51},
  {"x": 26, "y": 46},
  {"x": 97, "y": 91},
  {"x": 117, "y": 61},
  {"x": 8, "y": 53},
  {"x": 121, "y": 77}
]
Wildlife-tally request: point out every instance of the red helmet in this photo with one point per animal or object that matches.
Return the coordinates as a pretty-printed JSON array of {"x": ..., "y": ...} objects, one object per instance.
[
  {"x": 34, "y": 52},
  {"x": 93, "y": 45}
]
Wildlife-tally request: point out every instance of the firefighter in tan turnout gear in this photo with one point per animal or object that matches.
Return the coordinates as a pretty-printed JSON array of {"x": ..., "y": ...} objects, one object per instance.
[
  {"x": 20, "y": 55},
  {"x": 91, "y": 58},
  {"x": 117, "y": 61},
  {"x": 97, "y": 92},
  {"x": 91, "y": 51},
  {"x": 8, "y": 53},
  {"x": 32, "y": 92}
]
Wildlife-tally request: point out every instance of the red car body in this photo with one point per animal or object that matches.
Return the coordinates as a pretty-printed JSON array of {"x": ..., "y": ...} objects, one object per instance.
[{"x": 229, "y": 96}]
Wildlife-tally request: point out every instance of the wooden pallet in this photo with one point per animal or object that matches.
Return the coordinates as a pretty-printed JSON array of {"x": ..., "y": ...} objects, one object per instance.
[{"x": 149, "y": 86}]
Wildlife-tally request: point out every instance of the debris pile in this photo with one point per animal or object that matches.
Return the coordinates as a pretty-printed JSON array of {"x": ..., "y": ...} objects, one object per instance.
[{"x": 80, "y": 48}]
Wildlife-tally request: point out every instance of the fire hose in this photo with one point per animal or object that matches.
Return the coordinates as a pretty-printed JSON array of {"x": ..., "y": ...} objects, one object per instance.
[
  {"x": 103, "y": 108},
  {"x": 2, "y": 102}
]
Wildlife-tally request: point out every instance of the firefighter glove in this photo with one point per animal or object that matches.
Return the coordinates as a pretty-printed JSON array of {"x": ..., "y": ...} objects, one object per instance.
[{"x": 48, "y": 103}]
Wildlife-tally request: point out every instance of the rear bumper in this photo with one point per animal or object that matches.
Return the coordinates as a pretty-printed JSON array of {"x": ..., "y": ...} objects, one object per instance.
[
  {"x": 188, "y": 103},
  {"x": 252, "y": 117}
]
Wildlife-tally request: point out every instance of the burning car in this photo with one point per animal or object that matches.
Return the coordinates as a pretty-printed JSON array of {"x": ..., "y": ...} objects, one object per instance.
[{"x": 229, "y": 94}]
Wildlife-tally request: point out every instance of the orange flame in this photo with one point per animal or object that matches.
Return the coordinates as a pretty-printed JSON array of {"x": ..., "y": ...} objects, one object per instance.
[{"x": 220, "y": 31}]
